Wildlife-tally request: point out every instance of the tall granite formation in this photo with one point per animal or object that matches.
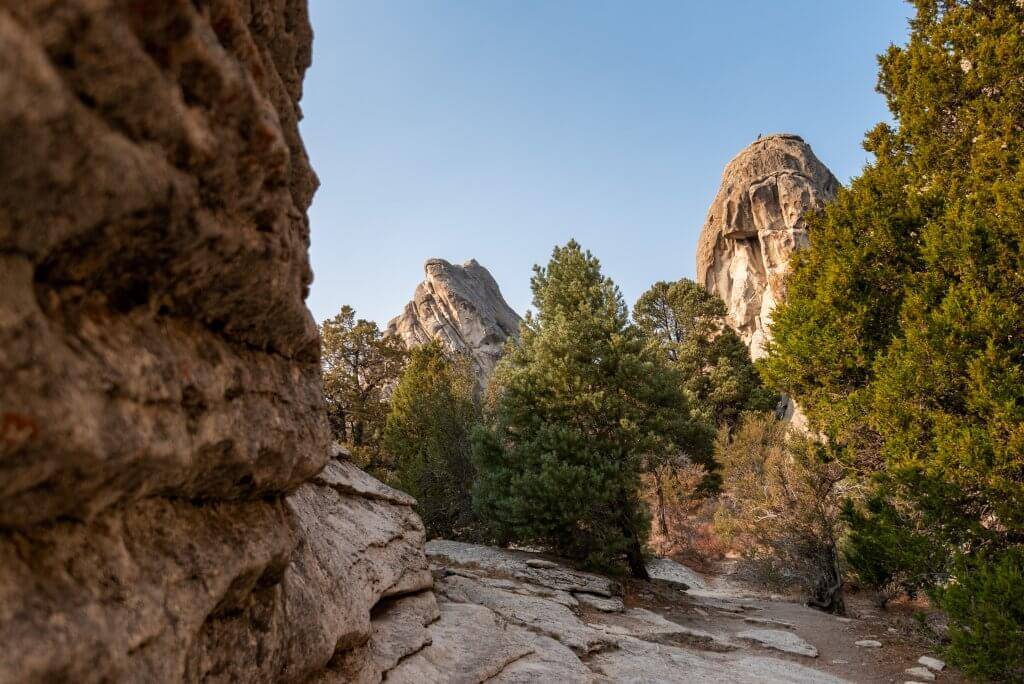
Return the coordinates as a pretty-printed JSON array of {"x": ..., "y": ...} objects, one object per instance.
[
  {"x": 755, "y": 223},
  {"x": 462, "y": 307},
  {"x": 168, "y": 507}
]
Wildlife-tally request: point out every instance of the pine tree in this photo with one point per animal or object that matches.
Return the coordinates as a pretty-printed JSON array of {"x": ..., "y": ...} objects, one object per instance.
[
  {"x": 581, "y": 404},
  {"x": 903, "y": 332},
  {"x": 427, "y": 438},
  {"x": 718, "y": 375},
  {"x": 718, "y": 378}
]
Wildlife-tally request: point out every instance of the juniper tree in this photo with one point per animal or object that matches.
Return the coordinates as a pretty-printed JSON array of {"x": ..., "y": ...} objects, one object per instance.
[
  {"x": 359, "y": 364},
  {"x": 581, "y": 404},
  {"x": 903, "y": 332}
]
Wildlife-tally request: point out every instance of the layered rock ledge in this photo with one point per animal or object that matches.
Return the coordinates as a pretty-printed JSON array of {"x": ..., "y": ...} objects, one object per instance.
[{"x": 514, "y": 616}]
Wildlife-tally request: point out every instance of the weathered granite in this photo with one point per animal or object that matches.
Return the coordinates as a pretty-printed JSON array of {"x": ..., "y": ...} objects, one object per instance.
[
  {"x": 753, "y": 226},
  {"x": 779, "y": 640},
  {"x": 498, "y": 626},
  {"x": 512, "y": 563},
  {"x": 637, "y": 660},
  {"x": 462, "y": 307},
  {"x": 668, "y": 570},
  {"x": 168, "y": 507},
  {"x": 470, "y": 643},
  {"x": 170, "y": 590},
  {"x": 537, "y": 614}
]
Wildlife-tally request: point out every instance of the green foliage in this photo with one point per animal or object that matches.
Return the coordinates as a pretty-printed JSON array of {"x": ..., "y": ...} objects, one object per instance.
[
  {"x": 887, "y": 550},
  {"x": 902, "y": 332},
  {"x": 781, "y": 501},
  {"x": 986, "y": 609},
  {"x": 718, "y": 375},
  {"x": 427, "y": 438},
  {"x": 718, "y": 378},
  {"x": 359, "y": 363},
  {"x": 581, "y": 406}
]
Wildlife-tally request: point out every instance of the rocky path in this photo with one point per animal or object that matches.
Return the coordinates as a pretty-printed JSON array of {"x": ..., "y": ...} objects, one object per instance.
[{"x": 514, "y": 616}]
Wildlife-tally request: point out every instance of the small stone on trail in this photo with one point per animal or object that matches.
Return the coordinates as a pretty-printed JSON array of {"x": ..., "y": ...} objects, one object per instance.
[
  {"x": 541, "y": 563},
  {"x": 921, "y": 673},
  {"x": 840, "y": 662},
  {"x": 605, "y": 605},
  {"x": 780, "y": 641},
  {"x": 868, "y": 643},
  {"x": 932, "y": 663},
  {"x": 844, "y": 619}
]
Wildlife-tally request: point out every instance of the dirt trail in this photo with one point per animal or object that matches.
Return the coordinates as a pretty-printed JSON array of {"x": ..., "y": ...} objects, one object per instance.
[
  {"x": 726, "y": 606},
  {"x": 513, "y": 615}
]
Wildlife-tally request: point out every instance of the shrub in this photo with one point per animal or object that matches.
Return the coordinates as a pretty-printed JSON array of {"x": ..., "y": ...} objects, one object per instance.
[
  {"x": 781, "y": 501},
  {"x": 985, "y": 603}
]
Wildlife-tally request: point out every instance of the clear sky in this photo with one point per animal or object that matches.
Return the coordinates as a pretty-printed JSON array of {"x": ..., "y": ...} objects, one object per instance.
[{"x": 495, "y": 129}]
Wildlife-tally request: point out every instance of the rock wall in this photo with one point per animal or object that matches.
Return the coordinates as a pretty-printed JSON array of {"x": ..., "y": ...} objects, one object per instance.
[
  {"x": 753, "y": 226},
  {"x": 168, "y": 507},
  {"x": 462, "y": 307}
]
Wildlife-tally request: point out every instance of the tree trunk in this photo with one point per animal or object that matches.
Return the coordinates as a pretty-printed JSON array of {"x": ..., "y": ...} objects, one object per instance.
[
  {"x": 662, "y": 521},
  {"x": 635, "y": 557},
  {"x": 635, "y": 552},
  {"x": 828, "y": 594}
]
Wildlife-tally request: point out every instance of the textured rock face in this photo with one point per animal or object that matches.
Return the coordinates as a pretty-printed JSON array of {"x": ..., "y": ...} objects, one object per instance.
[
  {"x": 755, "y": 224},
  {"x": 168, "y": 508},
  {"x": 154, "y": 244},
  {"x": 462, "y": 307},
  {"x": 510, "y": 616}
]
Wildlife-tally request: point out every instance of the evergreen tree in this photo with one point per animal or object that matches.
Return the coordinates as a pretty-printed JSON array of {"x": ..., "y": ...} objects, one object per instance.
[
  {"x": 718, "y": 375},
  {"x": 359, "y": 364},
  {"x": 427, "y": 438},
  {"x": 688, "y": 323},
  {"x": 902, "y": 332},
  {"x": 581, "y": 405}
]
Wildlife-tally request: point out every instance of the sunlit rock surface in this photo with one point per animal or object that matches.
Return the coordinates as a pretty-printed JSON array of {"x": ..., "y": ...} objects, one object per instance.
[
  {"x": 462, "y": 307},
  {"x": 755, "y": 224}
]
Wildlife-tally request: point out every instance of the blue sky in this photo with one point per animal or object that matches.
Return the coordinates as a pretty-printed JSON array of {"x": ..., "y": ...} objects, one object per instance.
[{"x": 495, "y": 129}]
